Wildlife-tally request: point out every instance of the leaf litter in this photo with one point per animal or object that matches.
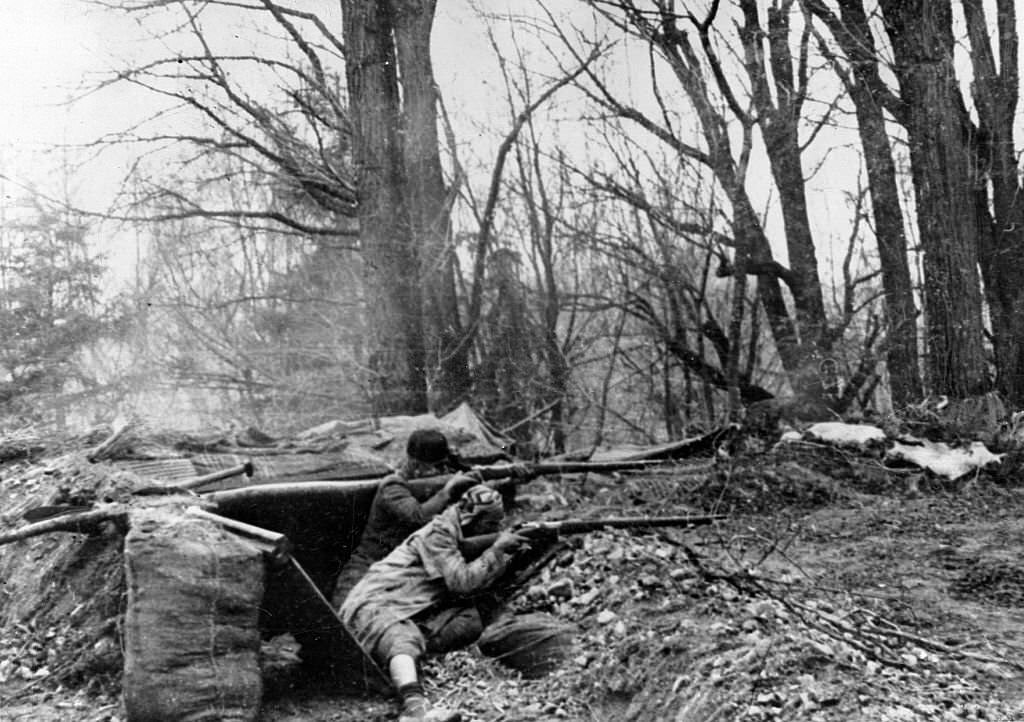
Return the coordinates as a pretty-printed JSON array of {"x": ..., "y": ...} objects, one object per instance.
[{"x": 836, "y": 590}]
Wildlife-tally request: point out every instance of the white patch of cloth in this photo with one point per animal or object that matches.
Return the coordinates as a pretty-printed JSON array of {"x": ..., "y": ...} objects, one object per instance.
[
  {"x": 840, "y": 434},
  {"x": 944, "y": 460}
]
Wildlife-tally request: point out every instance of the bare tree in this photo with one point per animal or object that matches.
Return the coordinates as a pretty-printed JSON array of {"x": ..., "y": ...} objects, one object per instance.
[
  {"x": 256, "y": 319},
  {"x": 871, "y": 98},
  {"x": 998, "y": 190},
  {"x": 693, "y": 51},
  {"x": 356, "y": 164},
  {"x": 938, "y": 131}
]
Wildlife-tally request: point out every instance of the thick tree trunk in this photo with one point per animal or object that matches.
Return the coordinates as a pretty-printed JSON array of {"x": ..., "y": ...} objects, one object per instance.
[
  {"x": 447, "y": 355},
  {"x": 921, "y": 34},
  {"x": 1001, "y": 216},
  {"x": 1002, "y": 263},
  {"x": 397, "y": 358},
  {"x": 865, "y": 86}
]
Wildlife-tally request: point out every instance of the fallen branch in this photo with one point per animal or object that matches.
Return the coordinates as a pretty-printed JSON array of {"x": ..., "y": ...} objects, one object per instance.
[
  {"x": 246, "y": 468},
  {"x": 121, "y": 438},
  {"x": 274, "y": 544},
  {"x": 81, "y": 523},
  {"x": 937, "y": 646},
  {"x": 868, "y": 638}
]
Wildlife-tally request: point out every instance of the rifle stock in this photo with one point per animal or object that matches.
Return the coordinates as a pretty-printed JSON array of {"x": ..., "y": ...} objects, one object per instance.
[{"x": 474, "y": 546}]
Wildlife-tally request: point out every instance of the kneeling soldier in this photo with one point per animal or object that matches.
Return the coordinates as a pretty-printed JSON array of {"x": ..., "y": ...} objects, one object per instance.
[{"x": 417, "y": 599}]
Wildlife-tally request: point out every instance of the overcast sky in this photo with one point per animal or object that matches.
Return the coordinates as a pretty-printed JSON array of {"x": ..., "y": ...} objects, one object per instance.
[
  {"x": 51, "y": 49},
  {"x": 48, "y": 48}
]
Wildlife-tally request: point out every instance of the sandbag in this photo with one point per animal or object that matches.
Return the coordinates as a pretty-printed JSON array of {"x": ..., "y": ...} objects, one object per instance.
[
  {"x": 534, "y": 644},
  {"x": 191, "y": 632}
]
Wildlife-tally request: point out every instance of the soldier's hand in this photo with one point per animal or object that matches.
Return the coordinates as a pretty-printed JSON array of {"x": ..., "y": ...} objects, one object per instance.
[
  {"x": 521, "y": 472},
  {"x": 538, "y": 533},
  {"x": 509, "y": 542},
  {"x": 458, "y": 484}
]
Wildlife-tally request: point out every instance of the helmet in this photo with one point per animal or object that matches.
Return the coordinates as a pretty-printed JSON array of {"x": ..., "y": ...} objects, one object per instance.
[{"x": 428, "y": 446}]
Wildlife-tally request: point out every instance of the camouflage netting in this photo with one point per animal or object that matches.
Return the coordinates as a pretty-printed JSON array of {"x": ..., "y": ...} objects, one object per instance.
[
  {"x": 333, "y": 450},
  {"x": 70, "y": 613}
]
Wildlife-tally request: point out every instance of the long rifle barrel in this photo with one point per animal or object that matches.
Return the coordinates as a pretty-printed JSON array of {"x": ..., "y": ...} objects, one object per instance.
[
  {"x": 581, "y": 526},
  {"x": 504, "y": 471},
  {"x": 330, "y": 490},
  {"x": 476, "y": 545}
]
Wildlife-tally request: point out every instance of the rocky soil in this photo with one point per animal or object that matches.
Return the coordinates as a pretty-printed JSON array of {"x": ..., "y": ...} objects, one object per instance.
[{"x": 837, "y": 589}]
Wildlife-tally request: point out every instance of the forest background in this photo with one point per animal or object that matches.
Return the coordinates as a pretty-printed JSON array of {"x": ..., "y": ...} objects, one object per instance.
[{"x": 596, "y": 221}]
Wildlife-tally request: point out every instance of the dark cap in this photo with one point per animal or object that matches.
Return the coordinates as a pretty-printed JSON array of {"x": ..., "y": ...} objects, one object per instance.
[{"x": 428, "y": 446}]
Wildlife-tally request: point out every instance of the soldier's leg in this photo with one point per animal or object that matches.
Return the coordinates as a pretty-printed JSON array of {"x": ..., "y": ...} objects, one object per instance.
[
  {"x": 453, "y": 628},
  {"x": 402, "y": 645}
]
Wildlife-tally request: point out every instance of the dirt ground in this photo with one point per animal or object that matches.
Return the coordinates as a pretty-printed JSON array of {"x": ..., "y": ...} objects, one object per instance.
[{"x": 836, "y": 590}]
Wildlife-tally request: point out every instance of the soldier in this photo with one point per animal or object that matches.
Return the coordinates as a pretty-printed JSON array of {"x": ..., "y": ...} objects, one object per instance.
[
  {"x": 416, "y": 599},
  {"x": 395, "y": 513}
]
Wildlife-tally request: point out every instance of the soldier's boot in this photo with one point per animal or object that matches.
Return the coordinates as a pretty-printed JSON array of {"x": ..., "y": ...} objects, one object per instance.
[{"x": 416, "y": 708}]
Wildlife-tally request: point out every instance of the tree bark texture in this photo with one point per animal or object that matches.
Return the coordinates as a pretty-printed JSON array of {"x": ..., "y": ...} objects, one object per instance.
[
  {"x": 447, "y": 354},
  {"x": 779, "y": 121},
  {"x": 921, "y": 34},
  {"x": 398, "y": 358},
  {"x": 865, "y": 86},
  {"x": 996, "y": 92},
  {"x": 746, "y": 225}
]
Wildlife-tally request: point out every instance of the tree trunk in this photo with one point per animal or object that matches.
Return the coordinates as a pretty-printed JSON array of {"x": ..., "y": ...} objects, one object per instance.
[
  {"x": 739, "y": 299},
  {"x": 865, "y": 87},
  {"x": 1001, "y": 216},
  {"x": 750, "y": 234},
  {"x": 778, "y": 120},
  {"x": 447, "y": 355},
  {"x": 397, "y": 357},
  {"x": 921, "y": 34}
]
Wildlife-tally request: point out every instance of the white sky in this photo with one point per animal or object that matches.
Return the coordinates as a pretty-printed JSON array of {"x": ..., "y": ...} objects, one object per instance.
[
  {"x": 47, "y": 48},
  {"x": 43, "y": 44}
]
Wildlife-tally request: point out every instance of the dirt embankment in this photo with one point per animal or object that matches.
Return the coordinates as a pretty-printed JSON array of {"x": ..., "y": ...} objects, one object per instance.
[{"x": 836, "y": 590}]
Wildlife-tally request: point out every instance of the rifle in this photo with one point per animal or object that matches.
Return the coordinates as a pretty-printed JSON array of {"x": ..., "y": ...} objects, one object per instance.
[
  {"x": 497, "y": 472},
  {"x": 474, "y": 546},
  {"x": 329, "y": 492}
]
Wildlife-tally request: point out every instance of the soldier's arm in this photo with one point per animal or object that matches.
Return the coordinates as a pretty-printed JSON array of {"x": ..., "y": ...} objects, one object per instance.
[
  {"x": 399, "y": 503},
  {"x": 450, "y": 492},
  {"x": 442, "y": 557}
]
